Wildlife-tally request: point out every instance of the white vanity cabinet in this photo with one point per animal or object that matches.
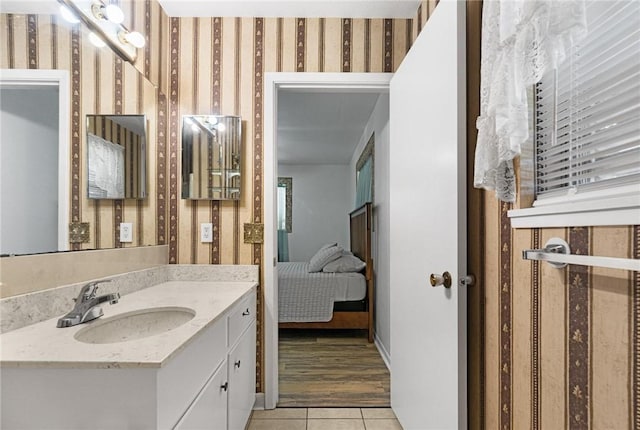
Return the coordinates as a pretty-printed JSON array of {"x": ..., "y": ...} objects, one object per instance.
[
  {"x": 241, "y": 363},
  {"x": 227, "y": 398},
  {"x": 203, "y": 379}
]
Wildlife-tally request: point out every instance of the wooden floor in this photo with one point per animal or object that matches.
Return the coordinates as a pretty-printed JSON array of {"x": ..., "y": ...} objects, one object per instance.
[{"x": 337, "y": 368}]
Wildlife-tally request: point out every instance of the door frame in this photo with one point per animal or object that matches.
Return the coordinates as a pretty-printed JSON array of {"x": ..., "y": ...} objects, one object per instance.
[
  {"x": 335, "y": 82},
  {"x": 34, "y": 78}
]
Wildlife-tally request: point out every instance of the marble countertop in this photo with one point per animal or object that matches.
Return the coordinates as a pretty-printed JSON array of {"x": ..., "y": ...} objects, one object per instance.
[{"x": 44, "y": 345}]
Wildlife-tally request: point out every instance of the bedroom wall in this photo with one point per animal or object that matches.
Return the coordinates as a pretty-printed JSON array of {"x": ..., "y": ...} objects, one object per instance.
[
  {"x": 378, "y": 124},
  {"x": 321, "y": 205}
]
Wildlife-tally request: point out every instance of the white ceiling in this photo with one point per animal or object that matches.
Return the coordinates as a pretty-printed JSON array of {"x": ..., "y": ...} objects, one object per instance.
[
  {"x": 246, "y": 8},
  {"x": 321, "y": 128},
  {"x": 29, "y": 6},
  {"x": 293, "y": 8}
]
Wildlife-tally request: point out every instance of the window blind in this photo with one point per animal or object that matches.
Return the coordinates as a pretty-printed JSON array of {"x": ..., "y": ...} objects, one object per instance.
[{"x": 587, "y": 112}]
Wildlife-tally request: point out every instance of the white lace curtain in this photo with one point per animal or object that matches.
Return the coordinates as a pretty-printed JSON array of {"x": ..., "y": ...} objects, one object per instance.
[{"x": 521, "y": 40}]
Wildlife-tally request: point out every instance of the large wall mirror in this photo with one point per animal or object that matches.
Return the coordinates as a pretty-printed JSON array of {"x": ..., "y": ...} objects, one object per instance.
[
  {"x": 116, "y": 157},
  {"x": 211, "y": 157},
  {"x": 44, "y": 150}
]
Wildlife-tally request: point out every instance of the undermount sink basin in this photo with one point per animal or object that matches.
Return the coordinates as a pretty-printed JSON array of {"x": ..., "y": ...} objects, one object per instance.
[{"x": 135, "y": 325}]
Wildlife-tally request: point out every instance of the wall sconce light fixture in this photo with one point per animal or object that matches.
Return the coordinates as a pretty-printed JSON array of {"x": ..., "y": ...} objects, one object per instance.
[{"x": 105, "y": 22}]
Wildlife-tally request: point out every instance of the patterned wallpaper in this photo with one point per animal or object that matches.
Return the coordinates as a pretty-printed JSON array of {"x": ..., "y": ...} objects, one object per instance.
[
  {"x": 217, "y": 66},
  {"x": 548, "y": 348},
  {"x": 561, "y": 345}
]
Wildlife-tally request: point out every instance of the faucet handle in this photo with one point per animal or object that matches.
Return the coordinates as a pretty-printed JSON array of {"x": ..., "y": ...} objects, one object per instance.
[{"x": 89, "y": 290}]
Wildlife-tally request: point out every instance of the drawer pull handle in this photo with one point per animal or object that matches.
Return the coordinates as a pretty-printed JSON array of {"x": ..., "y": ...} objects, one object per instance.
[
  {"x": 237, "y": 364},
  {"x": 224, "y": 386},
  {"x": 245, "y": 313}
]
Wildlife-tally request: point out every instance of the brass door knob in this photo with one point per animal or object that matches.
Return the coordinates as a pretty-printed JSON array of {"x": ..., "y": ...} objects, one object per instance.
[{"x": 437, "y": 280}]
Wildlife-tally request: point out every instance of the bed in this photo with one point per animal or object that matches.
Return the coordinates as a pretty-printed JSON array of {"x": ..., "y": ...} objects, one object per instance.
[{"x": 323, "y": 300}]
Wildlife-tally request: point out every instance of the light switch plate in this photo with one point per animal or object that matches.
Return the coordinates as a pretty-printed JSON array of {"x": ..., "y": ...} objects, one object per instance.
[
  {"x": 126, "y": 232},
  {"x": 206, "y": 232}
]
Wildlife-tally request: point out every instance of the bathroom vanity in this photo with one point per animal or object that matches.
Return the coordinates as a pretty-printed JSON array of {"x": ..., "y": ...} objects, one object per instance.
[{"x": 176, "y": 355}]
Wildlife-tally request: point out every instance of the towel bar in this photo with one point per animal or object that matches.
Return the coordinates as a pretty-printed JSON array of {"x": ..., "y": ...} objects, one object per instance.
[{"x": 557, "y": 253}]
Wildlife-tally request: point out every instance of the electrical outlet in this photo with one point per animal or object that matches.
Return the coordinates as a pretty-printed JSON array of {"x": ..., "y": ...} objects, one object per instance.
[
  {"x": 206, "y": 232},
  {"x": 126, "y": 232}
]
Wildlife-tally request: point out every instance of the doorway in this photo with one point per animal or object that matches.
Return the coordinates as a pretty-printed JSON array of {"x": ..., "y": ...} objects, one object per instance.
[
  {"x": 35, "y": 191},
  {"x": 276, "y": 82}
]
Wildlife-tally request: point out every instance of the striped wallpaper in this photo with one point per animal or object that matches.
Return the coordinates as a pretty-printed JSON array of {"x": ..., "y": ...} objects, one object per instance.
[
  {"x": 561, "y": 346},
  {"x": 217, "y": 65},
  {"x": 549, "y": 348}
]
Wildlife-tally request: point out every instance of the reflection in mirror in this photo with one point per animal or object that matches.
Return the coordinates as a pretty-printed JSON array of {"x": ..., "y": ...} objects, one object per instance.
[
  {"x": 365, "y": 174},
  {"x": 33, "y": 163},
  {"x": 211, "y": 154},
  {"x": 117, "y": 160}
]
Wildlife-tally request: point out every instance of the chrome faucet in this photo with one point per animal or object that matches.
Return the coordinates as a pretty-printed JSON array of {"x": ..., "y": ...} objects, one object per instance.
[{"x": 86, "y": 307}]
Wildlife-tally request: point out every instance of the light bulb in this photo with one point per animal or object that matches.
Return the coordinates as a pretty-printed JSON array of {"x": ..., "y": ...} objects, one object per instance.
[
  {"x": 114, "y": 14},
  {"x": 68, "y": 16},
  {"x": 221, "y": 127},
  {"x": 96, "y": 40},
  {"x": 135, "y": 38}
]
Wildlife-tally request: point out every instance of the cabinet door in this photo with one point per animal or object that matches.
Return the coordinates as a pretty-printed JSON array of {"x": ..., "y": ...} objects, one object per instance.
[
  {"x": 242, "y": 379},
  {"x": 209, "y": 409}
]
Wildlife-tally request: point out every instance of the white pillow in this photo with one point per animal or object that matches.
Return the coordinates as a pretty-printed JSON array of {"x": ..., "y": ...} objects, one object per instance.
[
  {"x": 344, "y": 264},
  {"x": 324, "y": 256}
]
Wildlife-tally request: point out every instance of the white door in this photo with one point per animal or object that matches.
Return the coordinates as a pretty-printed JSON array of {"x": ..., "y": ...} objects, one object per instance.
[{"x": 428, "y": 226}]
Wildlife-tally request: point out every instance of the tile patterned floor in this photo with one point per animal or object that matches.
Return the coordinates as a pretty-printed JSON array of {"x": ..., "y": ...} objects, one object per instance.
[{"x": 324, "y": 419}]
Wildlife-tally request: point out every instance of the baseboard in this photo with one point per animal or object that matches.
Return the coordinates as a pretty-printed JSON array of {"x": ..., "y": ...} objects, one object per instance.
[
  {"x": 259, "y": 403},
  {"x": 383, "y": 352}
]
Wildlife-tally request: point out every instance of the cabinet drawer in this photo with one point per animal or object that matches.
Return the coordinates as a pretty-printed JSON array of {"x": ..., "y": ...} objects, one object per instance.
[
  {"x": 180, "y": 381},
  {"x": 242, "y": 379},
  {"x": 209, "y": 409},
  {"x": 240, "y": 317}
]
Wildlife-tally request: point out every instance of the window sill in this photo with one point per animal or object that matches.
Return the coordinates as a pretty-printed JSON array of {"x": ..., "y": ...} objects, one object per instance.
[{"x": 612, "y": 211}]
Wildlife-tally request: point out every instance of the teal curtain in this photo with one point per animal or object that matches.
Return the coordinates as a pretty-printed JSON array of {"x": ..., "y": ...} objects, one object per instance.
[
  {"x": 363, "y": 185},
  {"x": 283, "y": 245}
]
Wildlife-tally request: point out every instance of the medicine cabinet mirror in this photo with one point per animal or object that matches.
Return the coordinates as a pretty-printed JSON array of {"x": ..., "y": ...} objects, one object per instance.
[
  {"x": 211, "y": 157},
  {"x": 117, "y": 156}
]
